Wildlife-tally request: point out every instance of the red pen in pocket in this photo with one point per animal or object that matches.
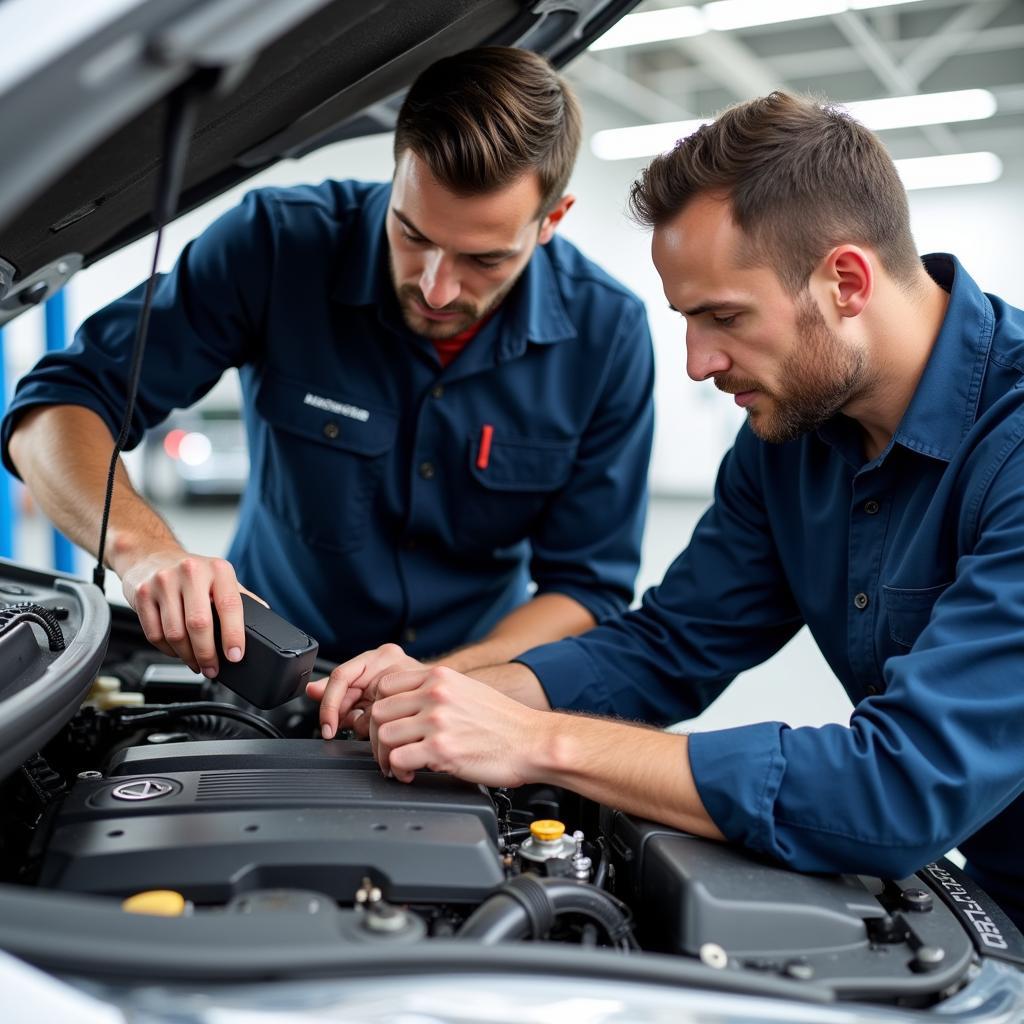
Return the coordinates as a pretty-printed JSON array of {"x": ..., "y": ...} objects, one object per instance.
[{"x": 483, "y": 457}]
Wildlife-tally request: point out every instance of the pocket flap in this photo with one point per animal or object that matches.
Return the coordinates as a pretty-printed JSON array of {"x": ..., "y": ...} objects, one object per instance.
[
  {"x": 515, "y": 464},
  {"x": 910, "y": 609},
  {"x": 328, "y": 417}
]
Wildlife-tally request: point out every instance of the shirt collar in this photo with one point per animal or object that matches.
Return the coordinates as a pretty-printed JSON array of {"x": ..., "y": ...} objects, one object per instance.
[
  {"x": 365, "y": 277},
  {"x": 533, "y": 311},
  {"x": 945, "y": 402}
]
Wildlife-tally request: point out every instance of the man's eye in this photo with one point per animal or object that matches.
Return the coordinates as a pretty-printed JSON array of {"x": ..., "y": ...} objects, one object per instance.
[
  {"x": 725, "y": 321},
  {"x": 415, "y": 239},
  {"x": 487, "y": 264}
]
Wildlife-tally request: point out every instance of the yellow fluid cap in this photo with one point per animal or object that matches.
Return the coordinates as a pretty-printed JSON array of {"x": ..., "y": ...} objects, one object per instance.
[
  {"x": 161, "y": 902},
  {"x": 546, "y": 830}
]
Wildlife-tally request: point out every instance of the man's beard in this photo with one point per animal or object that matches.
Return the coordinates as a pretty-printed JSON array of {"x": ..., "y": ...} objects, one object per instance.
[
  {"x": 820, "y": 377},
  {"x": 438, "y": 330}
]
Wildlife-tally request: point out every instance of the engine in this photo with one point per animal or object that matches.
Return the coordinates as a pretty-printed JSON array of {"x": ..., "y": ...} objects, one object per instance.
[{"x": 160, "y": 792}]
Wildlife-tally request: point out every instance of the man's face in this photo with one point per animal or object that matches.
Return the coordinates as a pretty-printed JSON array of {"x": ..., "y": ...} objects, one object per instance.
[
  {"x": 776, "y": 353},
  {"x": 454, "y": 258}
]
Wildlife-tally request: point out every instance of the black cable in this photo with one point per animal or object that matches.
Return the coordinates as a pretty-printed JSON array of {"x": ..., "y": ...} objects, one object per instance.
[
  {"x": 39, "y": 614},
  {"x": 181, "y": 115},
  {"x": 171, "y": 712}
]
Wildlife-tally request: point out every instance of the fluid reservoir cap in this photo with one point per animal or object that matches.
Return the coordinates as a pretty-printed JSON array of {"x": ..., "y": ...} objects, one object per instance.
[
  {"x": 547, "y": 830},
  {"x": 161, "y": 902}
]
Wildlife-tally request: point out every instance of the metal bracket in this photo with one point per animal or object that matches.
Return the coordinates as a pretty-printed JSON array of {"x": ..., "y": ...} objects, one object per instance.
[{"x": 16, "y": 298}]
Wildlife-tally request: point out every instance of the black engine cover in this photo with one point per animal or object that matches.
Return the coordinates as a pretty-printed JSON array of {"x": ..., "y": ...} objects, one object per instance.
[{"x": 213, "y": 820}]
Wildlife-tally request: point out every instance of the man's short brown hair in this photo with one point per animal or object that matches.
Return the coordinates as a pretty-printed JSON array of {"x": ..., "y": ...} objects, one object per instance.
[
  {"x": 483, "y": 118},
  {"x": 801, "y": 177}
]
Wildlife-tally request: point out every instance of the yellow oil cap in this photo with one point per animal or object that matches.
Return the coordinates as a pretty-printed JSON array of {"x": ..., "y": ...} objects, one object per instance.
[
  {"x": 547, "y": 830},
  {"x": 161, "y": 902}
]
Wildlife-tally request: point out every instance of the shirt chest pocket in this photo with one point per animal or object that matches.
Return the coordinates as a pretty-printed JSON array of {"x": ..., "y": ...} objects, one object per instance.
[
  {"x": 322, "y": 459},
  {"x": 909, "y": 610},
  {"x": 509, "y": 488}
]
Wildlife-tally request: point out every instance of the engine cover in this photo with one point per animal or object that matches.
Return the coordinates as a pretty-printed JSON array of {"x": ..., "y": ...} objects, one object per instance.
[{"x": 212, "y": 820}]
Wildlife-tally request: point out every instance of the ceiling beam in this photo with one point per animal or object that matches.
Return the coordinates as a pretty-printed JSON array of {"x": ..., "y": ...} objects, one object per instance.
[
  {"x": 834, "y": 60},
  {"x": 955, "y": 35},
  {"x": 724, "y": 58},
  {"x": 892, "y": 75},
  {"x": 625, "y": 91}
]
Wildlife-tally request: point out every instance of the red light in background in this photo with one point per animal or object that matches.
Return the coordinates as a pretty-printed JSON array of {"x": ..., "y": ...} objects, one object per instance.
[{"x": 172, "y": 442}]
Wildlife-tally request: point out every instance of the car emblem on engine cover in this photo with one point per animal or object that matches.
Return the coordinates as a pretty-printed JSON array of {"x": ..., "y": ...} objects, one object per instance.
[{"x": 142, "y": 789}]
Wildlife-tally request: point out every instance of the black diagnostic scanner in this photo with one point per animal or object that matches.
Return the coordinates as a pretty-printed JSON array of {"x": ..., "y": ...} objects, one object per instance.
[{"x": 277, "y": 662}]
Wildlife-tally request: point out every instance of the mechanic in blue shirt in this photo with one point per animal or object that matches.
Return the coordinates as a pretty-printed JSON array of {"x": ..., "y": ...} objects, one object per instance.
[
  {"x": 443, "y": 400},
  {"x": 875, "y": 494}
]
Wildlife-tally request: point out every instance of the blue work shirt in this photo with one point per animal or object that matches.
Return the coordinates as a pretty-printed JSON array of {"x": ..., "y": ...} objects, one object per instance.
[
  {"x": 909, "y": 571},
  {"x": 367, "y": 518}
]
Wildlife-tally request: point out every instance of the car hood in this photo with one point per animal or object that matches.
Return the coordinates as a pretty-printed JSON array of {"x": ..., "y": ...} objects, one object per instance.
[{"x": 85, "y": 100}]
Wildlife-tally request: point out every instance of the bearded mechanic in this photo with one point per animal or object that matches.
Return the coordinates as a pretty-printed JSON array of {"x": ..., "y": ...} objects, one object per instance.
[
  {"x": 442, "y": 398},
  {"x": 873, "y": 494}
]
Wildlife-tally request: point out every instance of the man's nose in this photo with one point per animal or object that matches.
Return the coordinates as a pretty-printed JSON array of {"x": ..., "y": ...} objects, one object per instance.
[
  {"x": 438, "y": 282},
  {"x": 703, "y": 358}
]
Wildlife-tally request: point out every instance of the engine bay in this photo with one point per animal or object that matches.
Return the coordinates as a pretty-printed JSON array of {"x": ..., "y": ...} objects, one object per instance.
[{"x": 149, "y": 811}]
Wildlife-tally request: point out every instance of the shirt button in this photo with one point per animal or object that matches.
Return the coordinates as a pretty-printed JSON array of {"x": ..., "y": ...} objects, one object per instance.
[
  {"x": 861, "y": 601},
  {"x": 871, "y": 507},
  {"x": 409, "y": 635},
  {"x": 427, "y": 470},
  {"x": 873, "y": 690},
  {"x": 437, "y": 391},
  {"x": 331, "y": 430}
]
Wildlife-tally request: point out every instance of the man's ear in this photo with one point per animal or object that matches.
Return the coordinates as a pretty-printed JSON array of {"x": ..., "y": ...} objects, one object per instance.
[
  {"x": 850, "y": 275},
  {"x": 550, "y": 223}
]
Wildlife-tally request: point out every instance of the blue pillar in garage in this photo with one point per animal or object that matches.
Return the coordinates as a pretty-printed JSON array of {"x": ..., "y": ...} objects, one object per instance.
[
  {"x": 7, "y": 510},
  {"x": 56, "y": 339}
]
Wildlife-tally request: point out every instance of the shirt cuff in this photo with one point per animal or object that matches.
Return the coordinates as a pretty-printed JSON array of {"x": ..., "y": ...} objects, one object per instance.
[
  {"x": 568, "y": 677},
  {"x": 601, "y": 603},
  {"x": 738, "y": 773}
]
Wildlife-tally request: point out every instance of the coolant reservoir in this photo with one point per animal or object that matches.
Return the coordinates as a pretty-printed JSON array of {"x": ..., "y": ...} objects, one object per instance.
[{"x": 547, "y": 840}]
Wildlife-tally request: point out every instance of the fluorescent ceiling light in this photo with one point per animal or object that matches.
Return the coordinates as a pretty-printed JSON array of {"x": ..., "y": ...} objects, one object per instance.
[
  {"x": 944, "y": 171},
  {"x": 641, "y": 140},
  {"x": 652, "y": 27},
  {"x": 928, "y": 108},
  {"x": 723, "y": 16},
  {"x": 878, "y": 115}
]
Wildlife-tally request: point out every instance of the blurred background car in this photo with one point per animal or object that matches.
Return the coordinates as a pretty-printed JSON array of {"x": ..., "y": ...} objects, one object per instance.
[{"x": 194, "y": 454}]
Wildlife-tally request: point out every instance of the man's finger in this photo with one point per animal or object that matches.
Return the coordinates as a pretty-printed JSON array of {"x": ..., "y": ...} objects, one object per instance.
[
  {"x": 340, "y": 693},
  {"x": 398, "y": 706},
  {"x": 199, "y": 626},
  {"x": 405, "y": 761},
  {"x": 393, "y": 683},
  {"x": 228, "y": 603}
]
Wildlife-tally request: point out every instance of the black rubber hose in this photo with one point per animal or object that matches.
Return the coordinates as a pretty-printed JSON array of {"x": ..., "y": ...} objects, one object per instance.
[
  {"x": 527, "y": 906},
  {"x": 149, "y": 713}
]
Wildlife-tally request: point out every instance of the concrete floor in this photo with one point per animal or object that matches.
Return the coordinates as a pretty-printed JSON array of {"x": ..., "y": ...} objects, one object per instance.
[{"x": 796, "y": 686}]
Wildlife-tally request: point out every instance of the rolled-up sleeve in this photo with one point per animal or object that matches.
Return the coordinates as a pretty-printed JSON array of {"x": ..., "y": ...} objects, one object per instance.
[
  {"x": 587, "y": 541},
  {"x": 922, "y": 766},
  {"x": 204, "y": 318}
]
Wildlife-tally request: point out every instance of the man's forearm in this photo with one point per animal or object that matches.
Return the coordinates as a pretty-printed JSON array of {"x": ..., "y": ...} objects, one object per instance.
[
  {"x": 63, "y": 455},
  {"x": 543, "y": 619},
  {"x": 643, "y": 771}
]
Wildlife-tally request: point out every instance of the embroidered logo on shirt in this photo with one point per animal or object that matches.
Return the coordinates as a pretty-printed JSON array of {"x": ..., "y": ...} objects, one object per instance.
[{"x": 353, "y": 412}]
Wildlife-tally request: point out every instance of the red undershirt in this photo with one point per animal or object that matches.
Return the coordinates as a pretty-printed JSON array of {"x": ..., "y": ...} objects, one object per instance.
[{"x": 448, "y": 348}]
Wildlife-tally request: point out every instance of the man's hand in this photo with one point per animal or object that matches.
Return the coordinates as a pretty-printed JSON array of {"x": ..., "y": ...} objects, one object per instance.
[
  {"x": 436, "y": 718},
  {"x": 346, "y": 695},
  {"x": 173, "y": 593}
]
